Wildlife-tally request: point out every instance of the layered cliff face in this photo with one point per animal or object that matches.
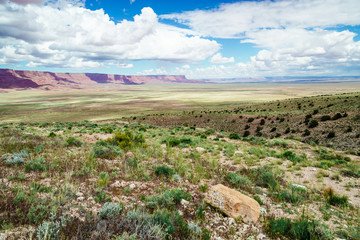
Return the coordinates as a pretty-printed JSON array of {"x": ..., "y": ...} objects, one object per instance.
[{"x": 47, "y": 80}]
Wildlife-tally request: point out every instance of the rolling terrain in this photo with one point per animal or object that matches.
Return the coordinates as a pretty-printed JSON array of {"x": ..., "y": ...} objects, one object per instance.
[{"x": 135, "y": 163}]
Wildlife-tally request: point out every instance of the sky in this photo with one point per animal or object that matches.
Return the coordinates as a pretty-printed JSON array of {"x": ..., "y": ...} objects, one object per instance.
[{"x": 200, "y": 39}]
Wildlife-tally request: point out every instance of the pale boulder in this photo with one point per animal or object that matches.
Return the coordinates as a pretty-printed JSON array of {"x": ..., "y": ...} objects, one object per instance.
[{"x": 233, "y": 203}]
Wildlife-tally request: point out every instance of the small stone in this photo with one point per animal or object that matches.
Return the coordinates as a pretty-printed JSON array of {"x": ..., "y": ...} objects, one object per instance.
[
  {"x": 132, "y": 186},
  {"x": 200, "y": 149},
  {"x": 219, "y": 238},
  {"x": 299, "y": 186},
  {"x": 262, "y": 210},
  {"x": 129, "y": 155},
  {"x": 219, "y": 135},
  {"x": 261, "y": 236},
  {"x": 184, "y": 202},
  {"x": 80, "y": 198},
  {"x": 238, "y": 152},
  {"x": 221, "y": 228},
  {"x": 231, "y": 221},
  {"x": 79, "y": 194}
]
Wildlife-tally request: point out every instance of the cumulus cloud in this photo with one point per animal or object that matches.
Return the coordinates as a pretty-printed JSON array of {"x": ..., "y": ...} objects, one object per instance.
[
  {"x": 295, "y": 50},
  {"x": 291, "y": 35},
  {"x": 290, "y": 52},
  {"x": 236, "y": 19},
  {"x": 56, "y": 3},
  {"x": 218, "y": 58},
  {"x": 72, "y": 36},
  {"x": 26, "y": 1}
]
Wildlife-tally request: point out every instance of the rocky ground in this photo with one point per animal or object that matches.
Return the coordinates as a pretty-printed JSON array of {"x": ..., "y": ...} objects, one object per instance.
[{"x": 57, "y": 179}]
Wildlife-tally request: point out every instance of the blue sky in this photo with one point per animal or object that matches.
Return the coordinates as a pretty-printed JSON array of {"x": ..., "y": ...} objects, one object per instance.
[{"x": 199, "y": 39}]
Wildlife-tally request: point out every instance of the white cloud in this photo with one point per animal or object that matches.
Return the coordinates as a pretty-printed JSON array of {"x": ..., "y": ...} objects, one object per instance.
[
  {"x": 186, "y": 66},
  {"x": 236, "y": 19},
  {"x": 123, "y": 65},
  {"x": 72, "y": 36},
  {"x": 218, "y": 58},
  {"x": 291, "y": 36},
  {"x": 299, "y": 49},
  {"x": 132, "y": 1},
  {"x": 56, "y": 3}
]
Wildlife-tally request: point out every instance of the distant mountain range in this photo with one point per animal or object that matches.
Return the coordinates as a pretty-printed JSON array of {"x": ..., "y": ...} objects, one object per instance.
[
  {"x": 15, "y": 79},
  {"x": 10, "y": 79},
  {"x": 286, "y": 79}
]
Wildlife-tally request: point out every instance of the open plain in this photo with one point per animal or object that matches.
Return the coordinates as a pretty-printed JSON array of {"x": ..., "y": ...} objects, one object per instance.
[{"x": 137, "y": 162}]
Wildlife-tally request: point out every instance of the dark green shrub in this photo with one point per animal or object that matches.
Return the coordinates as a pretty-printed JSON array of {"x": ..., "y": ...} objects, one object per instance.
[
  {"x": 36, "y": 165},
  {"x": 351, "y": 170},
  {"x": 306, "y": 133},
  {"x": 167, "y": 199},
  {"x": 107, "y": 129},
  {"x": 101, "y": 197},
  {"x": 250, "y": 120},
  {"x": 287, "y": 131},
  {"x": 273, "y": 129},
  {"x": 52, "y": 134},
  {"x": 313, "y": 123},
  {"x": 337, "y": 116},
  {"x": 262, "y": 122},
  {"x": 279, "y": 227},
  {"x": 38, "y": 212},
  {"x": 172, "y": 142},
  {"x": 209, "y": 131},
  {"x": 200, "y": 211},
  {"x": 264, "y": 177},
  {"x": 71, "y": 141},
  {"x": 173, "y": 224},
  {"x": 103, "y": 149},
  {"x": 334, "y": 199},
  {"x": 234, "y": 136},
  {"x": 290, "y": 155},
  {"x": 238, "y": 181},
  {"x": 246, "y": 134},
  {"x": 205, "y": 234},
  {"x": 325, "y": 118},
  {"x": 331, "y": 134},
  {"x": 302, "y": 229},
  {"x": 142, "y": 129},
  {"x": 349, "y": 129},
  {"x": 258, "y": 199},
  {"x": 337, "y": 200},
  {"x": 186, "y": 141},
  {"x": 164, "y": 171},
  {"x": 127, "y": 140},
  {"x": 294, "y": 195},
  {"x": 203, "y": 188}
]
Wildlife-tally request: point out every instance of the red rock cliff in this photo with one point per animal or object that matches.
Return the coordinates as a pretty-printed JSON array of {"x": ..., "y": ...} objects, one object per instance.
[{"x": 34, "y": 79}]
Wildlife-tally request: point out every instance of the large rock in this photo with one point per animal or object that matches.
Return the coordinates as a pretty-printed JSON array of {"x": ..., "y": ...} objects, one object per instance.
[{"x": 233, "y": 203}]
